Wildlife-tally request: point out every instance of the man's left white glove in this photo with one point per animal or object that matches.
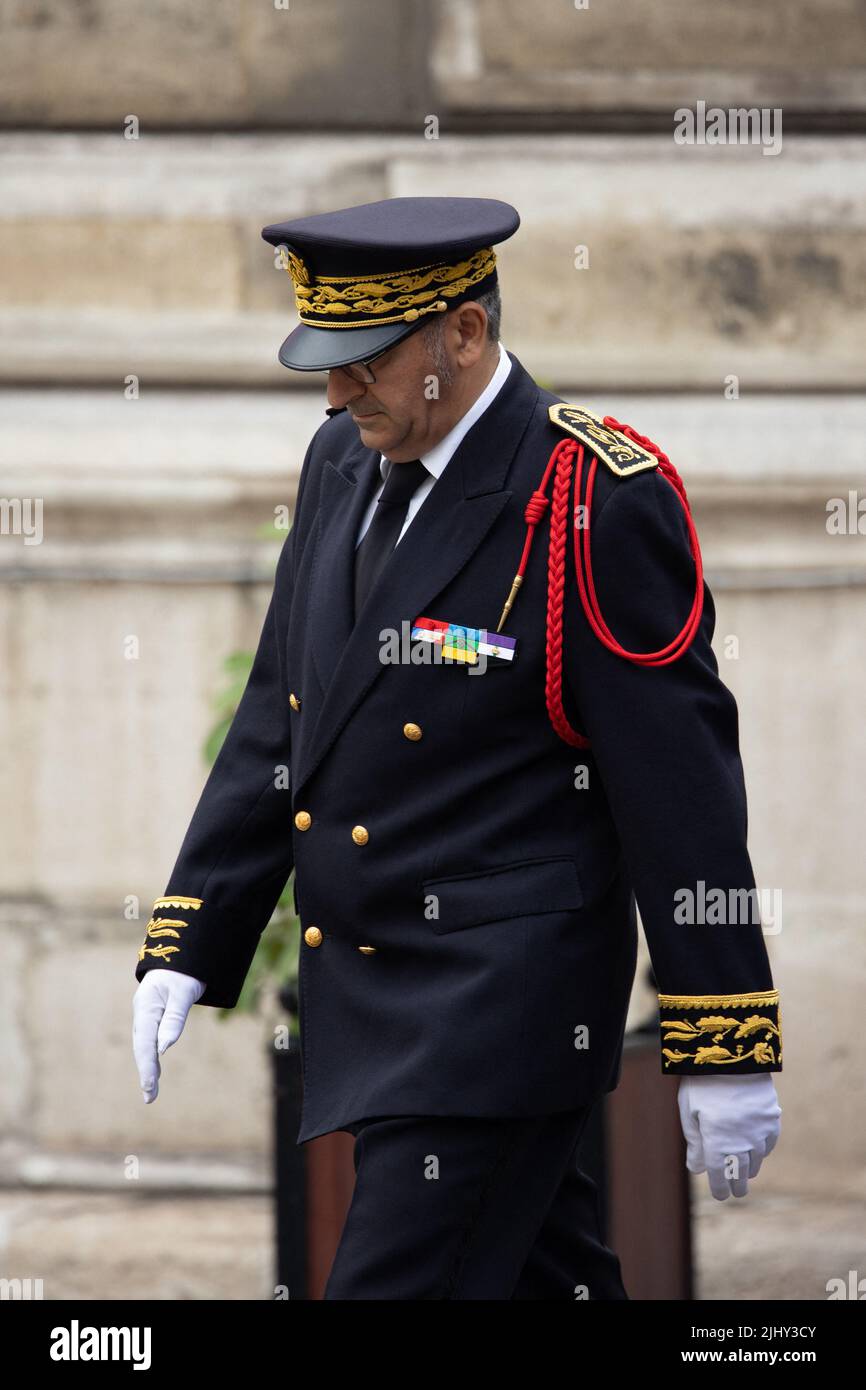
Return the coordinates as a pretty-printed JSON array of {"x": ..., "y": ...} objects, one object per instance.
[{"x": 730, "y": 1123}]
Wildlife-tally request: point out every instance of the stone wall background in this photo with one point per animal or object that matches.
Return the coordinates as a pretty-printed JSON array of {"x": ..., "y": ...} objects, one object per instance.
[{"x": 142, "y": 258}]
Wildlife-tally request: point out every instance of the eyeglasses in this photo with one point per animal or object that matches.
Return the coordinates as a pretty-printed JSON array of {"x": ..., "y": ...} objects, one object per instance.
[{"x": 360, "y": 371}]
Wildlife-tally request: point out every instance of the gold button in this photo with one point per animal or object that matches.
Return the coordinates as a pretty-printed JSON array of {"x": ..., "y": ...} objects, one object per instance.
[
  {"x": 303, "y": 820},
  {"x": 360, "y": 834},
  {"x": 367, "y": 950},
  {"x": 294, "y": 701},
  {"x": 313, "y": 936},
  {"x": 412, "y": 731}
]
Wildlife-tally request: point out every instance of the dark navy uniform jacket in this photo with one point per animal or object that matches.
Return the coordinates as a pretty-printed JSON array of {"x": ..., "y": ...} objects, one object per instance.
[{"x": 467, "y": 894}]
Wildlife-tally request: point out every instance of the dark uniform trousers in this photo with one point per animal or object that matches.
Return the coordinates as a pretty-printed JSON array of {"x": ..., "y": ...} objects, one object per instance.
[{"x": 462, "y": 1208}]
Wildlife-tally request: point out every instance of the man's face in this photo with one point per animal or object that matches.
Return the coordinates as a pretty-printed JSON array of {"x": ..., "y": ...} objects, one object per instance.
[{"x": 414, "y": 401}]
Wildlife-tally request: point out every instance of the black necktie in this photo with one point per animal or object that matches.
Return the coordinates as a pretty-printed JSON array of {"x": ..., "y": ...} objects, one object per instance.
[{"x": 381, "y": 535}]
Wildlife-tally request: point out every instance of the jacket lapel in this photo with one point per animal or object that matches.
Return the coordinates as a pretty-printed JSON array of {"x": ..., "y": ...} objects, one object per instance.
[
  {"x": 346, "y": 490},
  {"x": 441, "y": 539}
]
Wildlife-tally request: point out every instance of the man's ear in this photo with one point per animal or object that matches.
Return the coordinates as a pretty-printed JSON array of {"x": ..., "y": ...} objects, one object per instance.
[{"x": 471, "y": 323}]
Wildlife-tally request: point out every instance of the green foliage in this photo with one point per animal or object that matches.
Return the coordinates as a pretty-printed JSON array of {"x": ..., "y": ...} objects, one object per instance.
[
  {"x": 237, "y": 668},
  {"x": 275, "y": 963},
  {"x": 271, "y": 531}
]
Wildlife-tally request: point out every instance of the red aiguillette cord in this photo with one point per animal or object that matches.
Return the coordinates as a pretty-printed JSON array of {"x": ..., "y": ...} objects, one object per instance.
[{"x": 561, "y": 465}]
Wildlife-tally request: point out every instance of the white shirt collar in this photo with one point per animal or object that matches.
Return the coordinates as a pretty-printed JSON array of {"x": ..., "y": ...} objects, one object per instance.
[{"x": 442, "y": 452}]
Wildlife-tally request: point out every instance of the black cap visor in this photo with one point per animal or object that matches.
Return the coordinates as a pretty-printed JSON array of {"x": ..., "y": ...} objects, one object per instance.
[{"x": 309, "y": 349}]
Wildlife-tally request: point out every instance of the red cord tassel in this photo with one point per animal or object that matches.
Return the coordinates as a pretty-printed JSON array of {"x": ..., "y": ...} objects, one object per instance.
[{"x": 561, "y": 464}]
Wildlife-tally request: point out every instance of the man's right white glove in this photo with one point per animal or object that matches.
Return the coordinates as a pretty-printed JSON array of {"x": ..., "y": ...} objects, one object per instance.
[{"x": 159, "y": 1009}]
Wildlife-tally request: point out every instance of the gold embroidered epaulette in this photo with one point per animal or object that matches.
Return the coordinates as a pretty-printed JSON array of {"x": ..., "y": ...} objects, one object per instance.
[
  {"x": 621, "y": 455},
  {"x": 729, "y": 1031}
]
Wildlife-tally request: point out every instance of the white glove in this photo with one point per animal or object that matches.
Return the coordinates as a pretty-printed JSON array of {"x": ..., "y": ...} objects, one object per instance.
[
  {"x": 730, "y": 1123},
  {"x": 159, "y": 1009}
]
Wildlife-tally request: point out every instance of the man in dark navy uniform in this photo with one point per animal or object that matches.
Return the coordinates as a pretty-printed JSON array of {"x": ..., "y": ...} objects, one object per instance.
[{"x": 490, "y": 761}]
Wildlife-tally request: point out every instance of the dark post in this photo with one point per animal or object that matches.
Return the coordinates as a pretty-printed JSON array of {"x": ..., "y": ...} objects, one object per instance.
[{"x": 289, "y": 1172}]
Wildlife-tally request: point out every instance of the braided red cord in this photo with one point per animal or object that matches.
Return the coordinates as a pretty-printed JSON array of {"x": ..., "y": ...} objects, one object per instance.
[
  {"x": 686, "y": 635},
  {"x": 564, "y": 456},
  {"x": 561, "y": 465}
]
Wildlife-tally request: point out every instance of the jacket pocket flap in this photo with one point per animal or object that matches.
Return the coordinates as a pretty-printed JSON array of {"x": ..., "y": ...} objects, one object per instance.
[{"x": 515, "y": 890}]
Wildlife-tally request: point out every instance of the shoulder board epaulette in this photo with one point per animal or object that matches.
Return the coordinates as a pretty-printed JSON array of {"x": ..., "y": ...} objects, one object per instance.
[{"x": 621, "y": 455}]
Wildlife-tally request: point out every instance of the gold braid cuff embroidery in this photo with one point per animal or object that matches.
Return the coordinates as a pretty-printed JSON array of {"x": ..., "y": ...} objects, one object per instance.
[
  {"x": 730, "y": 1029},
  {"x": 166, "y": 926},
  {"x": 399, "y": 296}
]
